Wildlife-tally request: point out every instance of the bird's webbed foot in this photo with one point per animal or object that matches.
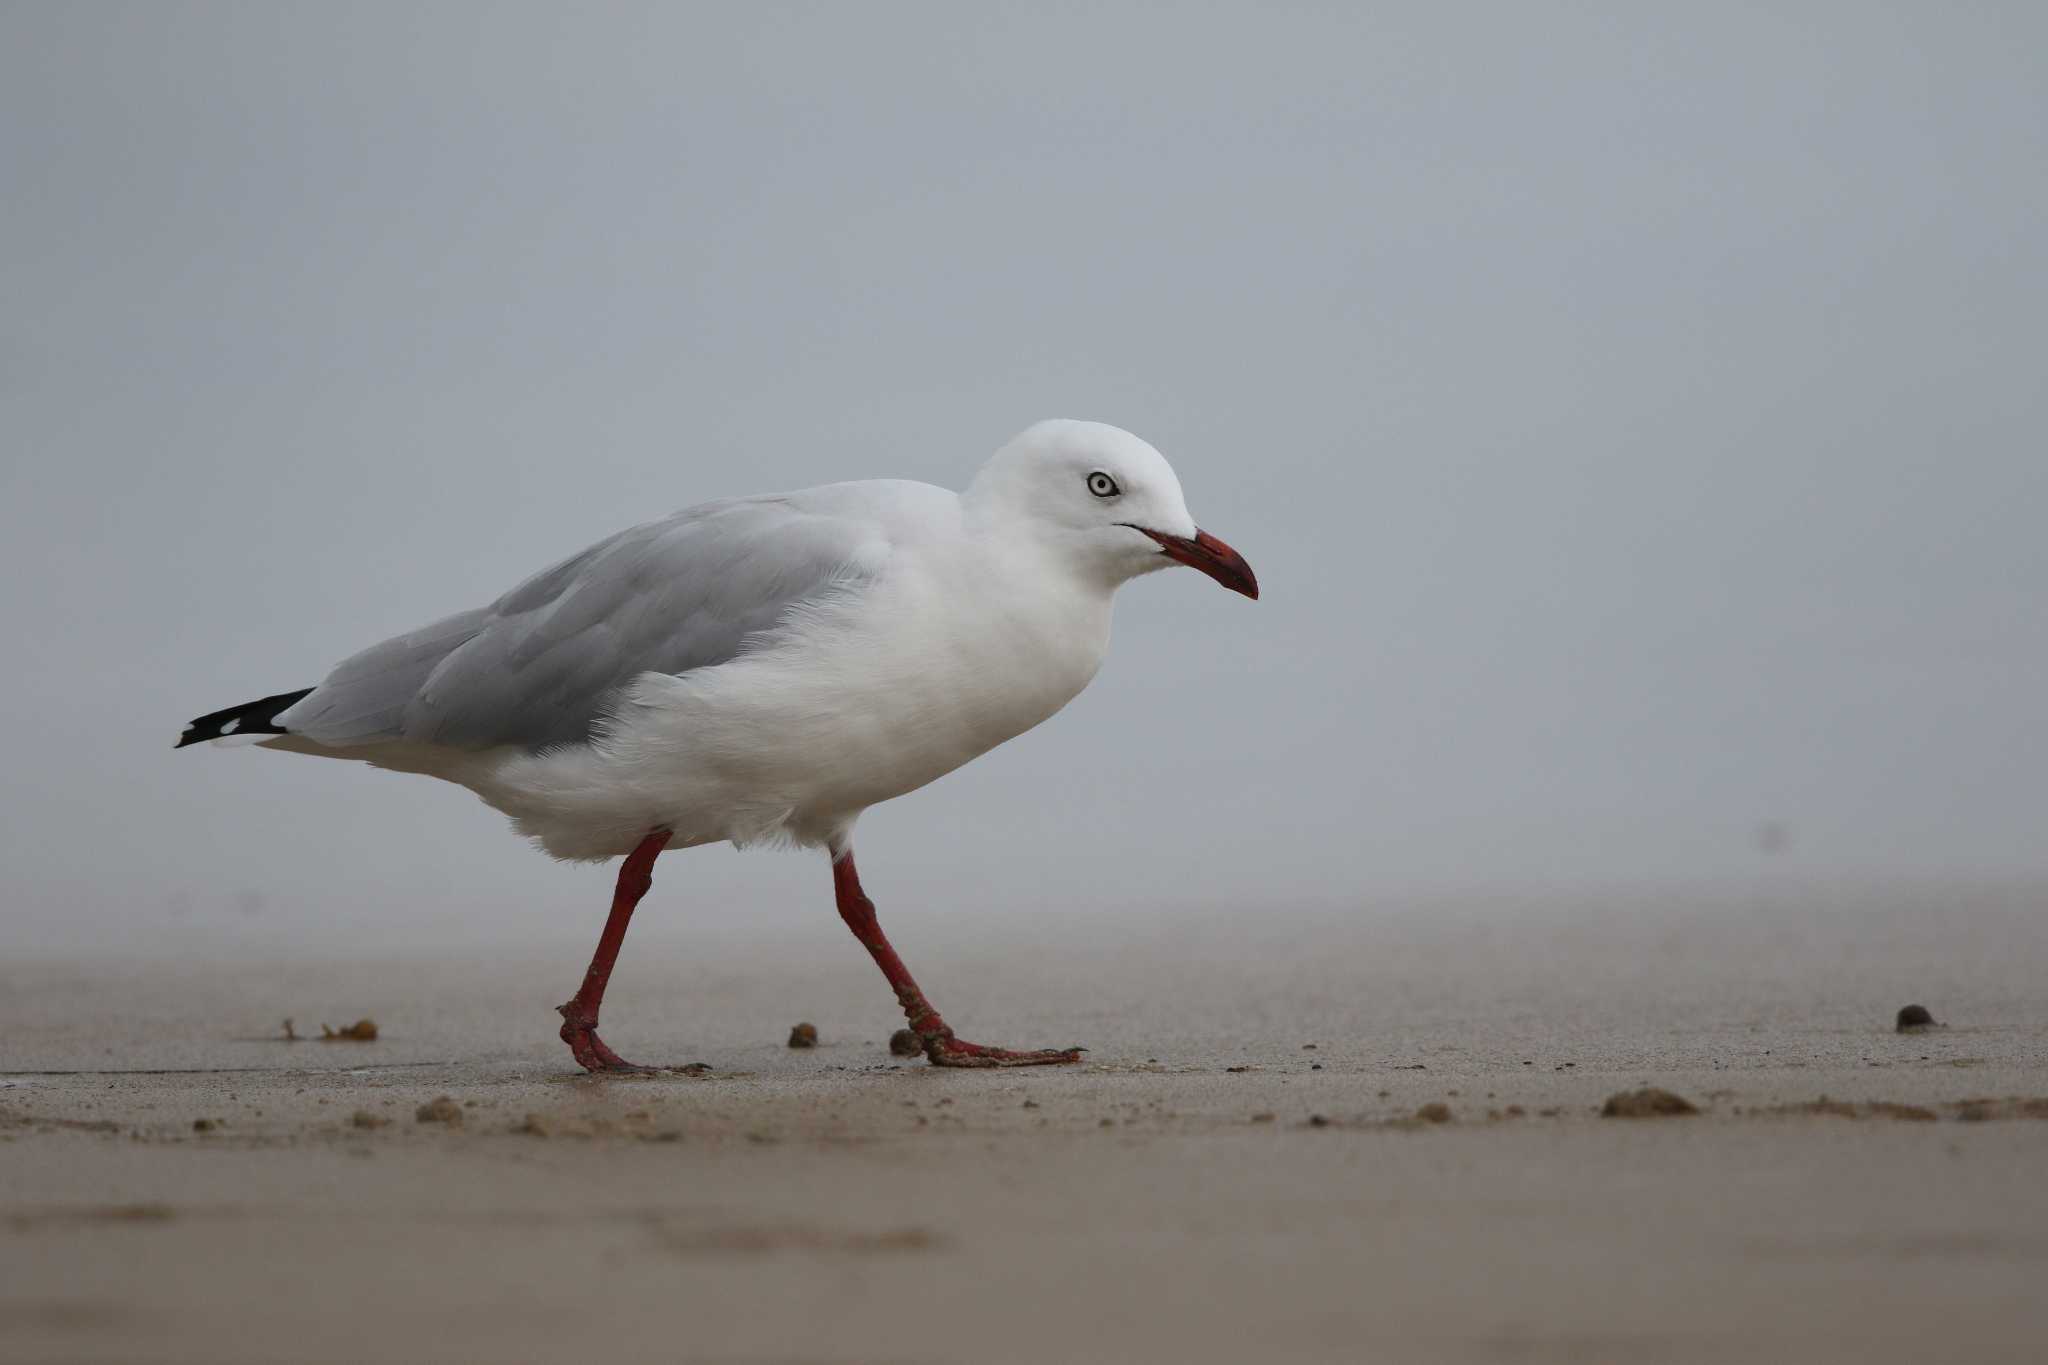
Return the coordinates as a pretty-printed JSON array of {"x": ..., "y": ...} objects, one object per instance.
[
  {"x": 943, "y": 1049},
  {"x": 580, "y": 1033}
]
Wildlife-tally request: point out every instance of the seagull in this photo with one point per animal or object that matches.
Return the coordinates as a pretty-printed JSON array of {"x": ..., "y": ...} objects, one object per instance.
[{"x": 761, "y": 670}]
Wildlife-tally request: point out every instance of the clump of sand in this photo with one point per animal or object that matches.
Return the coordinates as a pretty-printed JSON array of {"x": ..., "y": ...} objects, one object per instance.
[
  {"x": 1875, "y": 1109},
  {"x": 441, "y": 1110},
  {"x": 2013, "y": 1107},
  {"x": 1646, "y": 1103}
]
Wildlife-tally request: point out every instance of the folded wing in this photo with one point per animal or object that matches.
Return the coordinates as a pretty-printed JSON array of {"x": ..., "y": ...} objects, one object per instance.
[{"x": 543, "y": 664}]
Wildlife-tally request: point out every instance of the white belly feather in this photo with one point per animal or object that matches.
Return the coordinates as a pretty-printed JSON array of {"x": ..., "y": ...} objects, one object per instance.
[{"x": 853, "y": 702}]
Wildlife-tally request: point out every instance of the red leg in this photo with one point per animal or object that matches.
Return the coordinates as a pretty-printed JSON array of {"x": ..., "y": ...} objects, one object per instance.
[
  {"x": 579, "y": 1016},
  {"x": 939, "y": 1043}
]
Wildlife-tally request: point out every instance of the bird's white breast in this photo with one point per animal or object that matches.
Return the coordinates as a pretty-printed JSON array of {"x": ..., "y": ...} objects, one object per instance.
[{"x": 957, "y": 646}]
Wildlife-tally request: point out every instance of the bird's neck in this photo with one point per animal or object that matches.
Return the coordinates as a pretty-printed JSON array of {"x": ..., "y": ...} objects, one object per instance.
[{"x": 1051, "y": 557}]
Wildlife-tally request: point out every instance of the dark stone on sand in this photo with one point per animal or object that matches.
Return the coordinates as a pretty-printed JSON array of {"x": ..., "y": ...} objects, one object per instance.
[
  {"x": 904, "y": 1043},
  {"x": 804, "y": 1035},
  {"x": 1647, "y": 1103},
  {"x": 1913, "y": 1018}
]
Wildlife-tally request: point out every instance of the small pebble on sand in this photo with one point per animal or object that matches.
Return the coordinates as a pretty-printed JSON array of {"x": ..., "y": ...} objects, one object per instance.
[
  {"x": 804, "y": 1035},
  {"x": 1914, "y": 1018},
  {"x": 1646, "y": 1103},
  {"x": 441, "y": 1110},
  {"x": 202, "y": 1125},
  {"x": 904, "y": 1043},
  {"x": 1434, "y": 1112},
  {"x": 363, "y": 1118}
]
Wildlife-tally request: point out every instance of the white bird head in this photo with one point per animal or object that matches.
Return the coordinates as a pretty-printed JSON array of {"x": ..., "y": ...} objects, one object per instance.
[{"x": 1106, "y": 498}]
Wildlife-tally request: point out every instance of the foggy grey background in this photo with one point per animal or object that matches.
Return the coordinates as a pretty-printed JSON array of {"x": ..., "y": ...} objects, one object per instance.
[{"x": 1634, "y": 414}]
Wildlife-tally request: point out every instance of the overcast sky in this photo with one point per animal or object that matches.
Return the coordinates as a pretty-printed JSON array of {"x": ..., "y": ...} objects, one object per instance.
[{"x": 1635, "y": 415}]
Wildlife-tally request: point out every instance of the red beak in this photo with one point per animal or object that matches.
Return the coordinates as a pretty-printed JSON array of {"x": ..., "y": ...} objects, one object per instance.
[{"x": 1211, "y": 556}]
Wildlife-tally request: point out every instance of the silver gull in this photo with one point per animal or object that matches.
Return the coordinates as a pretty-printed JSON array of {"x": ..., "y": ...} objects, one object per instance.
[{"x": 762, "y": 670}]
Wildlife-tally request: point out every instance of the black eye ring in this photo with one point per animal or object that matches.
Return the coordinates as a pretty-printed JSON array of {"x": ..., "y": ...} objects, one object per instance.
[{"x": 1102, "y": 486}]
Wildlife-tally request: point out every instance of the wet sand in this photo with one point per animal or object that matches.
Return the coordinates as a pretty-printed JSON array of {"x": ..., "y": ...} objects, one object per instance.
[{"x": 177, "y": 1183}]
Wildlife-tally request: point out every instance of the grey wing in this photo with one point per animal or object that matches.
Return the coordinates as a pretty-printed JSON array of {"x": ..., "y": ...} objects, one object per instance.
[{"x": 542, "y": 664}]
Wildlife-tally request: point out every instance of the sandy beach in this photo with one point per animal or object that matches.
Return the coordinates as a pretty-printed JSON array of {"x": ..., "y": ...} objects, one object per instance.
[
  {"x": 1593, "y": 682},
  {"x": 1238, "y": 1172}
]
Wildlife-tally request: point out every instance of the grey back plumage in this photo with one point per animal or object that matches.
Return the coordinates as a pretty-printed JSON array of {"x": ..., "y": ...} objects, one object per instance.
[{"x": 542, "y": 664}]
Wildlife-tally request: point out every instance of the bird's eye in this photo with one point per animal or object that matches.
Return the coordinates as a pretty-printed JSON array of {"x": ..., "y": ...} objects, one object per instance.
[{"x": 1102, "y": 486}]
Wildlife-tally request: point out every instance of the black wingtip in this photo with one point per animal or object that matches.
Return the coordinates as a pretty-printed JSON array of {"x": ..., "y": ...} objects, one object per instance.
[{"x": 250, "y": 718}]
